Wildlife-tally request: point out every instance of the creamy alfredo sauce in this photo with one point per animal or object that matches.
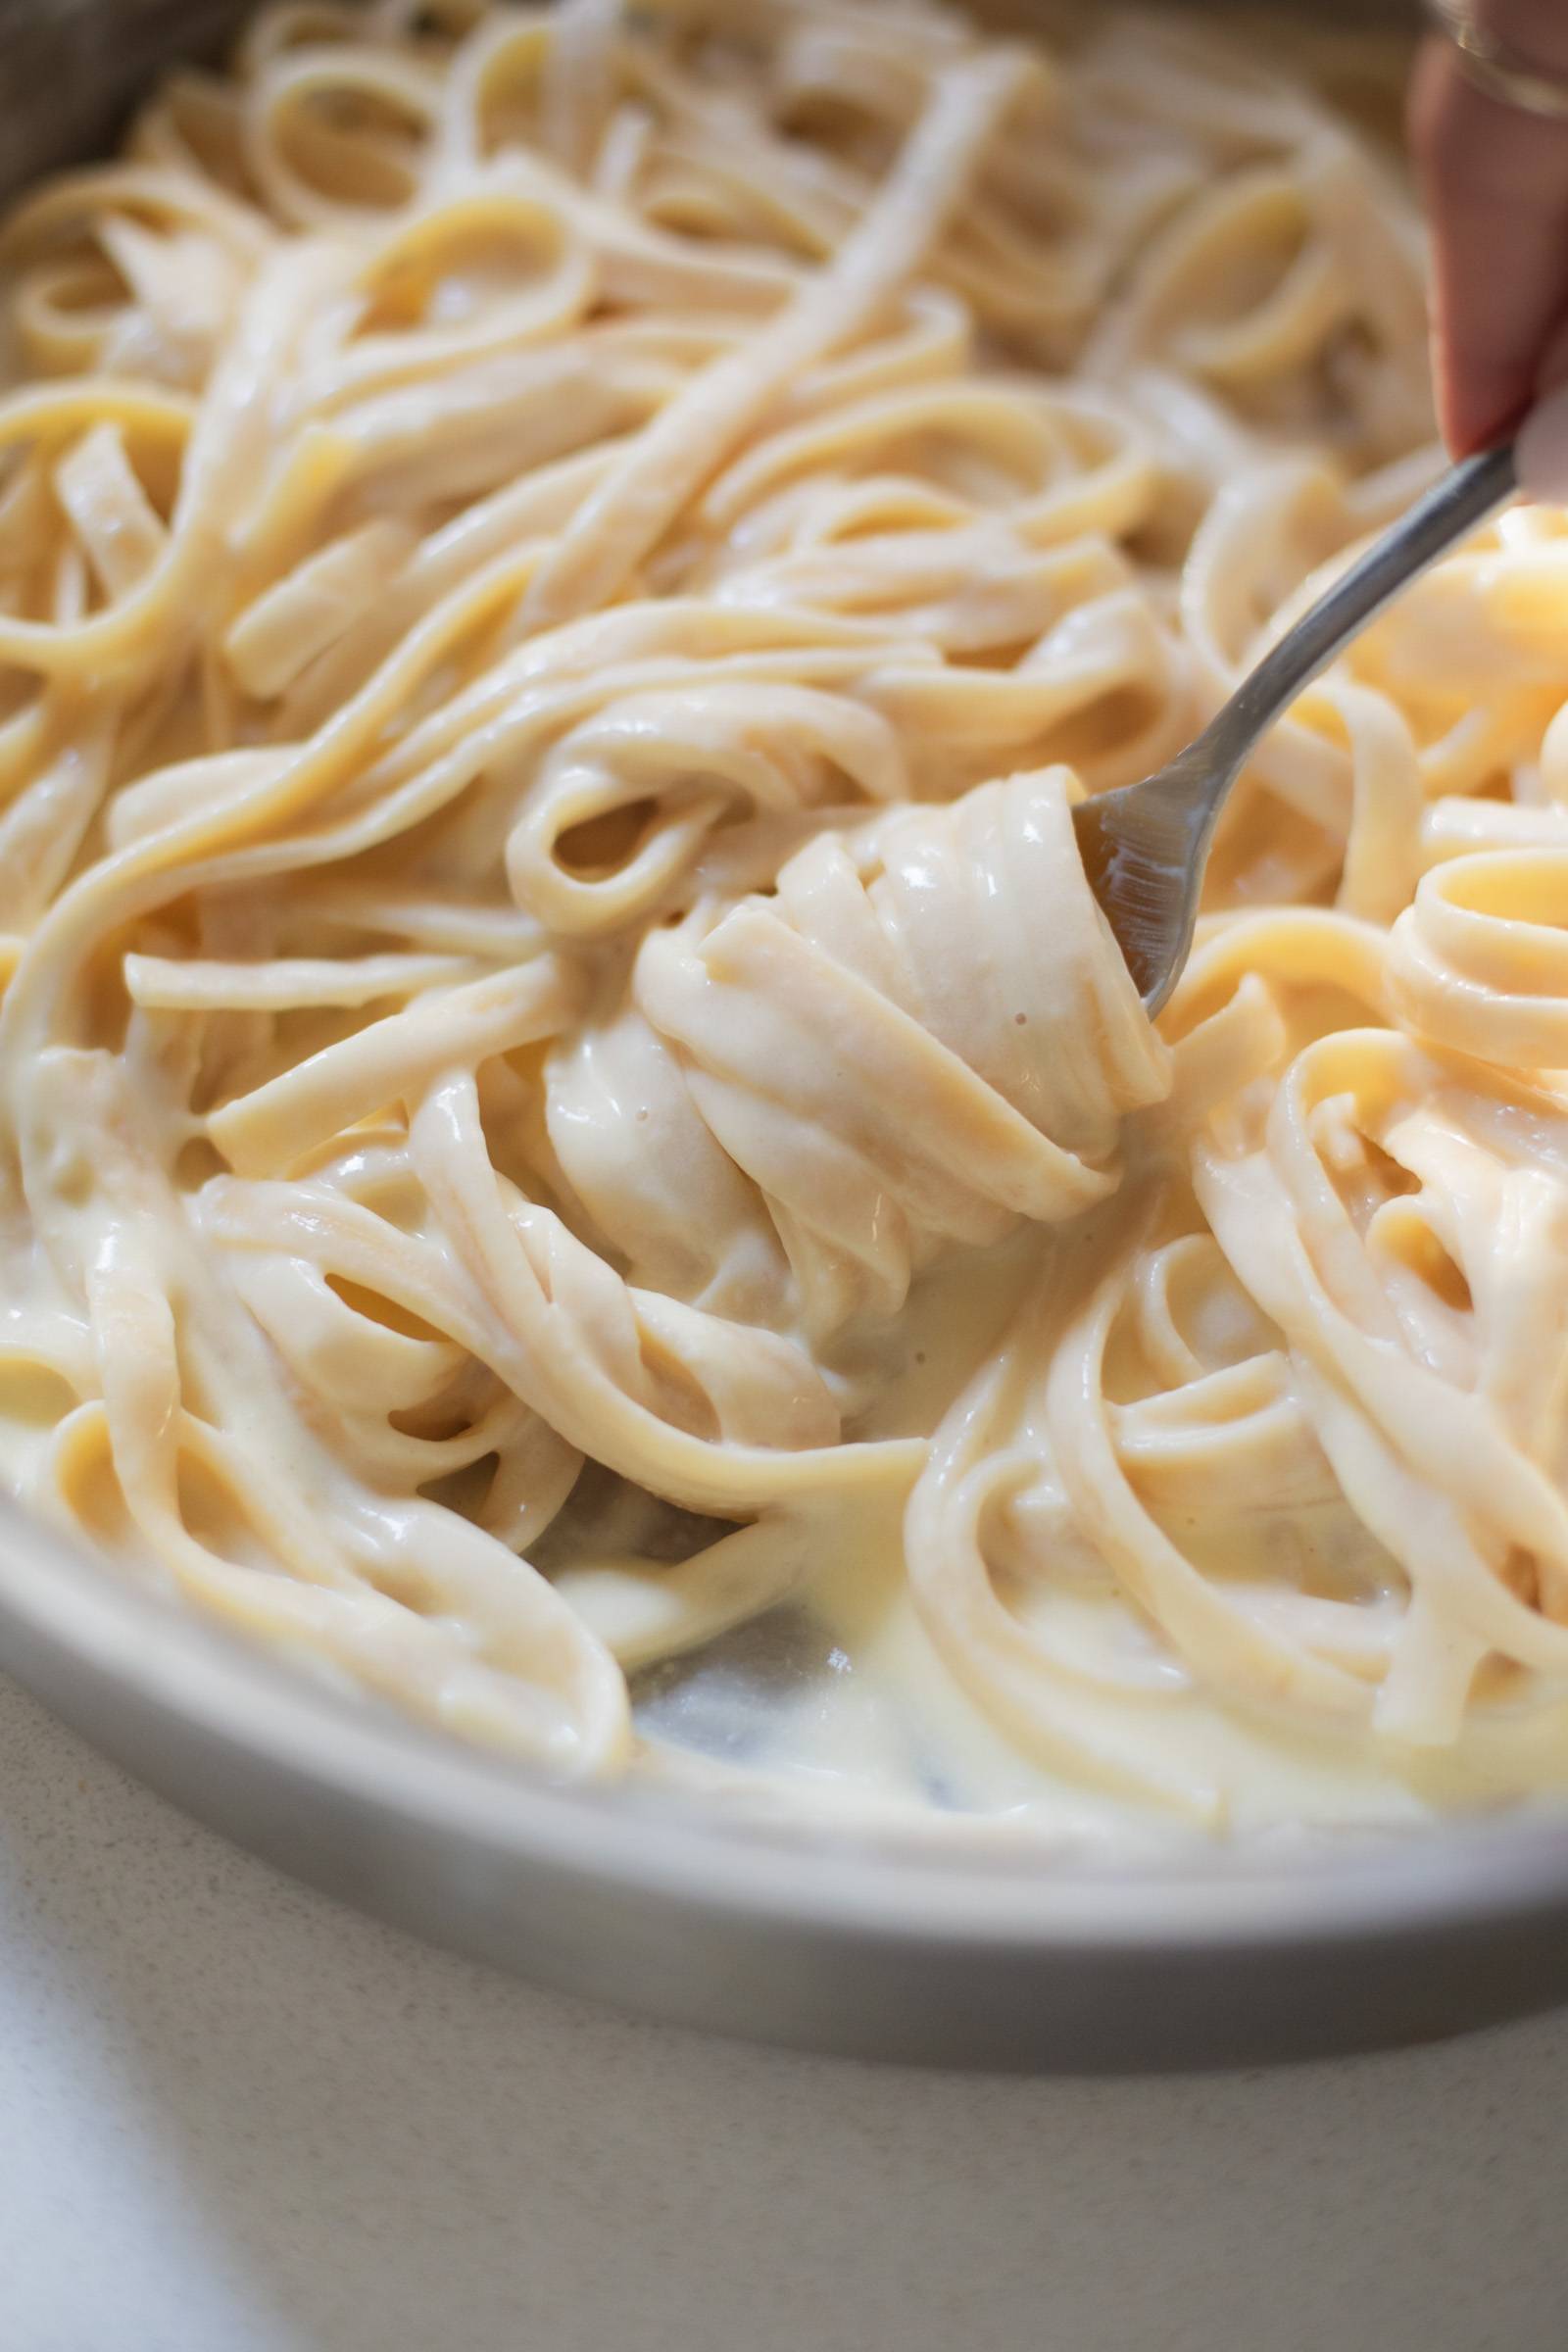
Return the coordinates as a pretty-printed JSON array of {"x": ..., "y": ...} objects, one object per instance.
[{"x": 573, "y": 1151}]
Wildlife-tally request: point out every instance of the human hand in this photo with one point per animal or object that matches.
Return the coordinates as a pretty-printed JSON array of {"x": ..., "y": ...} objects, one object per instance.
[{"x": 1495, "y": 176}]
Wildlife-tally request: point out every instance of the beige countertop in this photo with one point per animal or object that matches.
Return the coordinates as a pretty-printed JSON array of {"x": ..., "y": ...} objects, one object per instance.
[{"x": 234, "y": 2118}]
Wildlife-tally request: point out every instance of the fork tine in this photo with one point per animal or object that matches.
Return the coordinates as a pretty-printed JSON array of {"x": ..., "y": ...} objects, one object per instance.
[{"x": 1142, "y": 848}]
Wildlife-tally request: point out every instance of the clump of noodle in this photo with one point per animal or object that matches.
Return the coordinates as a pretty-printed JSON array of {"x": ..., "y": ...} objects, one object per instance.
[{"x": 560, "y": 576}]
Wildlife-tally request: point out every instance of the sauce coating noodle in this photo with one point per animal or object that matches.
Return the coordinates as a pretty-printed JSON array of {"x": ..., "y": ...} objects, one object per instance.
[{"x": 566, "y": 1111}]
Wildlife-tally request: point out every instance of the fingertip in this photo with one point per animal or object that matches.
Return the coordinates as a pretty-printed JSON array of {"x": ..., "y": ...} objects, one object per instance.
[
  {"x": 1475, "y": 411},
  {"x": 1542, "y": 450},
  {"x": 1553, "y": 373}
]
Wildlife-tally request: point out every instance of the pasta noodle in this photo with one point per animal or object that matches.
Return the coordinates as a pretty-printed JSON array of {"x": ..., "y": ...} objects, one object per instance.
[{"x": 574, "y": 1151}]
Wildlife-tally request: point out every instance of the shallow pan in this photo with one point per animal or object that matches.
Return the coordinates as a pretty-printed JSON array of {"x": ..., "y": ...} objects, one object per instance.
[{"x": 902, "y": 1948}]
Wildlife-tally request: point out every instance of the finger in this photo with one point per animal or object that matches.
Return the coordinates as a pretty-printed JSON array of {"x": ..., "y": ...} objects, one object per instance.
[{"x": 1497, "y": 184}]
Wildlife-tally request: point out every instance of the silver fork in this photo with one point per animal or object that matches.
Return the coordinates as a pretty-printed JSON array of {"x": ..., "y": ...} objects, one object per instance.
[{"x": 1144, "y": 846}]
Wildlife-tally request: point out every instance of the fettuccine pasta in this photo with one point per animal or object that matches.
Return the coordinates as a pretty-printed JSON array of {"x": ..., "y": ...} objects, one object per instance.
[{"x": 576, "y": 1154}]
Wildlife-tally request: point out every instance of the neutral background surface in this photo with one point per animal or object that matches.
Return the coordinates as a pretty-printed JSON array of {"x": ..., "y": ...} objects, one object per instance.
[{"x": 236, "y": 2119}]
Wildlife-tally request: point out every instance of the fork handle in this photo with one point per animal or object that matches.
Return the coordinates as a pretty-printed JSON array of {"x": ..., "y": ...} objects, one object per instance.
[
  {"x": 1450, "y": 510},
  {"x": 1535, "y": 462}
]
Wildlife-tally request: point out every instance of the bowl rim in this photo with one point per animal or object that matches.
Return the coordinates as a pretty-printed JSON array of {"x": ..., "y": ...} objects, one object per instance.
[{"x": 828, "y": 1876}]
